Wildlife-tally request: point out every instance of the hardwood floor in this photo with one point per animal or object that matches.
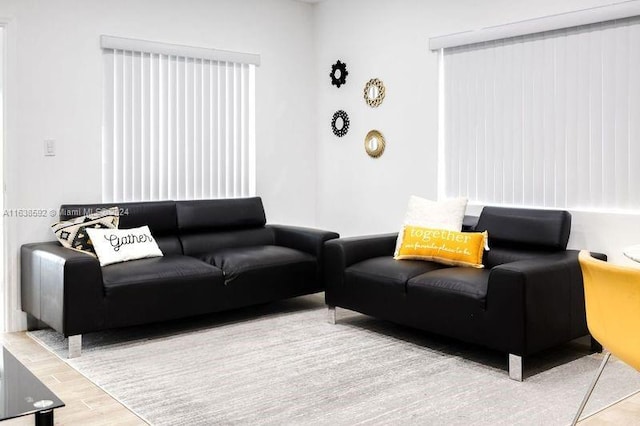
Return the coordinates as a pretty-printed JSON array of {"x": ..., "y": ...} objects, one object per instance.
[
  {"x": 87, "y": 404},
  {"x": 625, "y": 412}
]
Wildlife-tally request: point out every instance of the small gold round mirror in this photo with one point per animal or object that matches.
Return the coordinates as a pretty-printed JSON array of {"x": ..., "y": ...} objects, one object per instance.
[
  {"x": 374, "y": 144},
  {"x": 374, "y": 92}
]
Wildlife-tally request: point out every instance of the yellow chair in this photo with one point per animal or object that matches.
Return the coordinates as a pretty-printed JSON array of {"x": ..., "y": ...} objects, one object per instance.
[{"x": 612, "y": 303}]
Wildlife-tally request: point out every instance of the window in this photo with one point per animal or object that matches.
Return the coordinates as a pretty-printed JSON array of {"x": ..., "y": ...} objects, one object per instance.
[
  {"x": 178, "y": 122},
  {"x": 546, "y": 119}
]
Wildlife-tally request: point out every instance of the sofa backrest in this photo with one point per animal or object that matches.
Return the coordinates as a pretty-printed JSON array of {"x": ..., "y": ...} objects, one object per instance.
[
  {"x": 518, "y": 234},
  {"x": 160, "y": 216},
  {"x": 209, "y": 225}
]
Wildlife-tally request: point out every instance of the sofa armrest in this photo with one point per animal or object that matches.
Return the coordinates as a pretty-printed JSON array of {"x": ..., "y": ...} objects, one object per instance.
[
  {"x": 543, "y": 296},
  {"x": 62, "y": 287},
  {"x": 308, "y": 240},
  {"x": 343, "y": 252}
]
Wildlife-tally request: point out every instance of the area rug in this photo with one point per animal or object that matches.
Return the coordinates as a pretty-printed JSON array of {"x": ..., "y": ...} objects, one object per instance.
[{"x": 284, "y": 364}]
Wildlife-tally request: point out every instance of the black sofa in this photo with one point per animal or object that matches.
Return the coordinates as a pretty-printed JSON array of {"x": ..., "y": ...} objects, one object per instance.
[
  {"x": 529, "y": 297},
  {"x": 218, "y": 255}
]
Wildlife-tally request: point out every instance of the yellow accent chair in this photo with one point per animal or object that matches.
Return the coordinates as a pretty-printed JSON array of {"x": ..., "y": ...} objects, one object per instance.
[{"x": 612, "y": 302}]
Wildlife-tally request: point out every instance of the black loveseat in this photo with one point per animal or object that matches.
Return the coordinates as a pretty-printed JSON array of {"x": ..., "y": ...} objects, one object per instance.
[
  {"x": 529, "y": 297},
  {"x": 218, "y": 255}
]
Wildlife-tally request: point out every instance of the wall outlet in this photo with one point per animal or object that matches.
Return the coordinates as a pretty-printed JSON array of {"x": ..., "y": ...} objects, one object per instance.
[{"x": 49, "y": 147}]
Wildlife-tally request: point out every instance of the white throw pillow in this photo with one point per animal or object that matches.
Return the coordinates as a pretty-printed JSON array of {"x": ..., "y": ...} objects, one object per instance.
[
  {"x": 445, "y": 214},
  {"x": 121, "y": 245}
]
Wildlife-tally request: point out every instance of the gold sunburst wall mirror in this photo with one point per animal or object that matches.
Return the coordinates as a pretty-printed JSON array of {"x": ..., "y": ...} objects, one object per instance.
[
  {"x": 374, "y": 92},
  {"x": 374, "y": 143}
]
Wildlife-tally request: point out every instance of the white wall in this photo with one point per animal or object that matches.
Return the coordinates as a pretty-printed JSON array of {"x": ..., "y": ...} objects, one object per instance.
[
  {"x": 55, "y": 72},
  {"x": 306, "y": 175},
  {"x": 389, "y": 40}
]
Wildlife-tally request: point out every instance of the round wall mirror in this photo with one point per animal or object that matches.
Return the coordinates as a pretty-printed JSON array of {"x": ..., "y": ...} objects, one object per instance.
[
  {"x": 374, "y": 92},
  {"x": 338, "y": 74},
  {"x": 374, "y": 144},
  {"x": 340, "y": 123}
]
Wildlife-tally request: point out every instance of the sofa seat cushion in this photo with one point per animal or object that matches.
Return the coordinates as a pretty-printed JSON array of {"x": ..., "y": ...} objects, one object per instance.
[
  {"x": 167, "y": 270},
  {"x": 386, "y": 270},
  {"x": 160, "y": 288},
  {"x": 377, "y": 286},
  {"x": 237, "y": 261},
  {"x": 452, "y": 283},
  {"x": 261, "y": 274}
]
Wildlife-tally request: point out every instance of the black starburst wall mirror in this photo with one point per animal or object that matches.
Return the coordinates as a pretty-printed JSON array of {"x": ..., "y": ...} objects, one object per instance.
[{"x": 338, "y": 74}]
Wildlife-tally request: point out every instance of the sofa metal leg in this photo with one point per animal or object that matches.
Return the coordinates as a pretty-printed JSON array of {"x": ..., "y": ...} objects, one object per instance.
[
  {"x": 75, "y": 346},
  {"x": 331, "y": 314},
  {"x": 590, "y": 390},
  {"x": 515, "y": 367},
  {"x": 595, "y": 345}
]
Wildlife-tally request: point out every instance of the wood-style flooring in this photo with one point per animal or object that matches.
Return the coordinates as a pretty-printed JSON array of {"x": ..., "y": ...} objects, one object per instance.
[{"x": 87, "y": 404}]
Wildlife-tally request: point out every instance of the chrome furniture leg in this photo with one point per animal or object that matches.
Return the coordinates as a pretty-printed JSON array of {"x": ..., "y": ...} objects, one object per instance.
[
  {"x": 515, "y": 367},
  {"x": 331, "y": 314},
  {"x": 591, "y": 387},
  {"x": 75, "y": 346}
]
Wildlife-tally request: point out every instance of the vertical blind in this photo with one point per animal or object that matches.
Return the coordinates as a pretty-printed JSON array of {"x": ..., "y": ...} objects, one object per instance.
[
  {"x": 548, "y": 119},
  {"x": 177, "y": 124}
]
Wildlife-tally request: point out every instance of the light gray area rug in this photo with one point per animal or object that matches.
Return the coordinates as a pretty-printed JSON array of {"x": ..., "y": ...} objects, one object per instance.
[{"x": 284, "y": 364}]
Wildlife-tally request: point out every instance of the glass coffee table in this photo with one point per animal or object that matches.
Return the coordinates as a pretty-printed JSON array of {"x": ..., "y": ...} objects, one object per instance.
[{"x": 21, "y": 393}]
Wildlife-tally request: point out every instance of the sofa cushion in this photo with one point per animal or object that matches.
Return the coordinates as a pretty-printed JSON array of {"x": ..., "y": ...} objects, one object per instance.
[
  {"x": 525, "y": 228},
  {"x": 161, "y": 288},
  {"x": 237, "y": 261},
  {"x": 388, "y": 271},
  {"x": 223, "y": 214},
  {"x": 207, "y": 226},
  {"x": 499, "y": 255},
  {"x": 206, "y": 242},
  {"x": 160, "y": 216},
  {"x": 459, "y": 282},
  {"x": 262, "y": 274},
  {"x": 155, "y": 272},
  {"x": 377, "y": 286}
]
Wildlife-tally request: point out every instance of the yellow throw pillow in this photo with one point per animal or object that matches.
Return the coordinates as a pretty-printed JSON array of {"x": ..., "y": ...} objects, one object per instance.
[{"x": 442, "y": 246}]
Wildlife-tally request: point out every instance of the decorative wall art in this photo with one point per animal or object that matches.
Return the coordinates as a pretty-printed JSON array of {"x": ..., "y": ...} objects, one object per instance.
[
  {"x": 374, "y": 92},
  {"x": 338, "y": 74},
  {"x": 374, "y": 143},
  {"x": 340, "y": 123}
]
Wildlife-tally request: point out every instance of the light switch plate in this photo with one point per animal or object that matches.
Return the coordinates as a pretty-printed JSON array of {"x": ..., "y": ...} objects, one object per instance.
[{"x": 49, "y": 147}]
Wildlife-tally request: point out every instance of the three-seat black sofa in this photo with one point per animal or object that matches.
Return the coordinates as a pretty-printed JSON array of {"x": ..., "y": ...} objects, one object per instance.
[
  {"x": 218, "y": 255},
  {"x": 529, "y": 296}
]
